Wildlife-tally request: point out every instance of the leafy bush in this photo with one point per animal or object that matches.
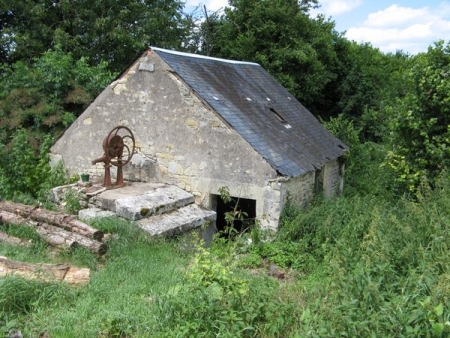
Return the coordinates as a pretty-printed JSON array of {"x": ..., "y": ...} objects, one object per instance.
[
  {"x": 25, "y": 173},
  {"x": 386, "y": 265},
  {"x": 421, "y": 132},
  {"x": 215, "y": 299},
  {"x": 344, "y": 129},
  {"x": 72, "y": 199}
]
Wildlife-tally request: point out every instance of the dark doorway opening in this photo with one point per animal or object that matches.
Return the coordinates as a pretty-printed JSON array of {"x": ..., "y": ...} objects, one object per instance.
[{"x": 247, "y": 206}]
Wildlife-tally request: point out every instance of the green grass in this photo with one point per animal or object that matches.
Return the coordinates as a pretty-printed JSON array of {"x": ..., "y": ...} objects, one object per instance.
[
  {"x": 122, "y": 289},
  {"x": 120, "y": 295},
  {"x": 131, "y": 292},
  {"x": 356, "y": 266}
]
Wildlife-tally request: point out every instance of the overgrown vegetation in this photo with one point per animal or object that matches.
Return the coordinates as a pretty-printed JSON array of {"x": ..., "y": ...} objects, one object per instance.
[
  {"x": 371, "y": 263},
  {"x": 359, "y": 266}
]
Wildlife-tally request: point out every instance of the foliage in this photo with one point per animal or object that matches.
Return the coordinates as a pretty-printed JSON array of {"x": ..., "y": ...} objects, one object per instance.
[
  {"x": 46, "y": 97},
  {"x": 113, "y": 32},
  {"x": 385, "y": 265},
  {"x": 344, "y": 129},
  {"x": 364, "y": 161},
  {"x": 370, "y": 78},
  {"x": 236, "y": 214},
  {"x": 72, "y": 201},
  {"x": 25, "y": 173},
  {"x": 37, "y": 103},
  {"x": 421, "y": 143},
  {"x": 213, "y": 299}
]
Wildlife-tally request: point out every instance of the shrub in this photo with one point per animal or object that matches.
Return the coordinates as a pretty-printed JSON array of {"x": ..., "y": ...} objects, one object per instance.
[
  {"x": 215, "y": 299},
  {"x": 386, "y": 265},
  {"x": 25, "y": 173}
]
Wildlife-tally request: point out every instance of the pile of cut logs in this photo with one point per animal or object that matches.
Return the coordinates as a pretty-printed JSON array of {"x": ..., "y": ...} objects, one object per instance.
[{"x": 58, "y": 230}]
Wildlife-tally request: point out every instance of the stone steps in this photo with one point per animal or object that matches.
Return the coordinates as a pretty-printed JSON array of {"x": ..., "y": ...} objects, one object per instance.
[
  {"x": 156, "y": 202},
  {"x": 158, "y": 208},
  {"x": 177, "y": 221}
]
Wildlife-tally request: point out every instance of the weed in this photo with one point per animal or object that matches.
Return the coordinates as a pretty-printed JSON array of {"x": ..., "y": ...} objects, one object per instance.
[
  {"x": 72, "y": 201},
  {"x": 215, "y": 299}
]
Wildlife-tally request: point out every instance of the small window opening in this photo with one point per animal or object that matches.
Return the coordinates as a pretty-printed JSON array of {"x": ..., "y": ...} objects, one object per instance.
[
  {"x": 243, "y": 205},
  {"x": 277, "y": 115}
]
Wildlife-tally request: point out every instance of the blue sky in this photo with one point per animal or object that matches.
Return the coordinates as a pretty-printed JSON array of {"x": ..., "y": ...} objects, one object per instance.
[{"x": 389, "y": 25}]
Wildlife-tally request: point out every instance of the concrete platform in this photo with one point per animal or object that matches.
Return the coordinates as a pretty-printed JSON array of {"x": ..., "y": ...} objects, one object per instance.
[{"x": 106, "y": 199}]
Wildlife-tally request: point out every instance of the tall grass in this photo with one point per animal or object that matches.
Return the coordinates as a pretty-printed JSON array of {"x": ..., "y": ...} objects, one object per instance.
[
  {"x": 119, "y": 297},
  {"x": 386, "y": 265}
]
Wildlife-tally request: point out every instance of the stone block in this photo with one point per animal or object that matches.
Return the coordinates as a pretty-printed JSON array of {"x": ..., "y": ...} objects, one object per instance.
[
  {"x": 92, "y": 213},
  {"x": 192, "y": 123},
  {"x": 157, "y": 201},
  {"x": 175, "y": 168},
  {"x": 179, "y": 221}
]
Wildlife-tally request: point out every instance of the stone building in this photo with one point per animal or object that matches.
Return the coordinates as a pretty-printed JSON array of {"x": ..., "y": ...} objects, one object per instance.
[{"x": 203, "y": 123}]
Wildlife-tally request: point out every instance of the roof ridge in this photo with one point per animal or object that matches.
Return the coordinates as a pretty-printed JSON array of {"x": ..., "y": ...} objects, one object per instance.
[{"x": 204, "y": 57}]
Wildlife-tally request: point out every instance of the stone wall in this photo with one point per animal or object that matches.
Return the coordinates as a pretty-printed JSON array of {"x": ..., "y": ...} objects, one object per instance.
[{"x": 299, "y": 190}]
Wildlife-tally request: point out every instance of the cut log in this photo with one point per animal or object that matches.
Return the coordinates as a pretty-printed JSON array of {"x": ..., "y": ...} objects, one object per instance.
[
  {"x": 11, "y": 218},
  {"x": 73, "y": 224},
  {"x": 61, "y": 238},
  {"x": 64, "y": 221},
  {"x": 23, "y": 210},
  {"x": 45, "y": 272},
  {"x": 13, "y": 240}
]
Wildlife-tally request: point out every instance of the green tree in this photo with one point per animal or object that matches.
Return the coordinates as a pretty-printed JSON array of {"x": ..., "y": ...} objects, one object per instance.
[
  {"x": 47, "y": 96},
  {"x": 112, "y": 31},
  {"x": 282, "y": 37},
  {"x": 421, "y": 144},
  {"x": 369, "y": 81}
]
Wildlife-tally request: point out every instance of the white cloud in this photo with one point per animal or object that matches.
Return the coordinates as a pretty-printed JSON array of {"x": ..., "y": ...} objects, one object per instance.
[
  {"x": 336, "y": 7},
  {"x": 395, "y": 15},
  {"x": 406, "y": 28}
]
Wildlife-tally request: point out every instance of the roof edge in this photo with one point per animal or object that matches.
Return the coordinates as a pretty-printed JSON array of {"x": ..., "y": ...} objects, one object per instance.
[{"x": 204, "y": 57}]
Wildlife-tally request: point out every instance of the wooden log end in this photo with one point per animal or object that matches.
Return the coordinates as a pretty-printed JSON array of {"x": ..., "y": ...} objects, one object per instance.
[{"x": 98, "y": 235}]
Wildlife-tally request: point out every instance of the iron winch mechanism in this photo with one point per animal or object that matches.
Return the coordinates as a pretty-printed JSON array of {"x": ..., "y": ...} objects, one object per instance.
[{"x": 118, "y": 149}]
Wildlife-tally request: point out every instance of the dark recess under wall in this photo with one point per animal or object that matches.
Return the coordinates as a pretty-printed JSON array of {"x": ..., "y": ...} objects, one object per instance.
[{"x": 243, "y": 204}]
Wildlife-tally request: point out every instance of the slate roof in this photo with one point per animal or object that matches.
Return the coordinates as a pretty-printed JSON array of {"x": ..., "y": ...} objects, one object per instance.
[{"x": 262, "y": 111}]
